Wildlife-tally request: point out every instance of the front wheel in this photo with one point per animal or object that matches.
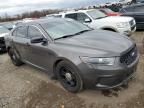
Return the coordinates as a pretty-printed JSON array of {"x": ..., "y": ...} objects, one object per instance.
[
  {"x": 69, "y": 77},
  {"x": 15, "y": 60}
]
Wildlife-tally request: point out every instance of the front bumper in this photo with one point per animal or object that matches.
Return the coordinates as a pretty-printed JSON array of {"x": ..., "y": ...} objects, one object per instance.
[
  {"x": 128, "y": 31},
  {"x": 116, "y": 80},
  {"x": 106, "y": 77},
  {"x": 2, "y": 47}
]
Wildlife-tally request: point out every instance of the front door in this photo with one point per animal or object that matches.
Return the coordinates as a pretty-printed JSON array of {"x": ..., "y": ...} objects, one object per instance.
[{"x": 38, "y": 53}]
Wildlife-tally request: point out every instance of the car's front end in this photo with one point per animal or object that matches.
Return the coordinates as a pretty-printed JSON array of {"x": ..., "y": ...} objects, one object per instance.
[
  {"x": 111, "y": 72},
  {"x": 122, "y": 25},
  {"x": 3, "y": 33},
  {"x": 101, "y": 59},
  {"x": 127, "y": 28},
  {"x": 106, "y": 59},
  {"x": 2, "y": 44}
]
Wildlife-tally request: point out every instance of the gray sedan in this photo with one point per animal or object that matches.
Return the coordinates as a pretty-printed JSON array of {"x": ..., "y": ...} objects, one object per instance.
[{"x": 78, "y": 56}]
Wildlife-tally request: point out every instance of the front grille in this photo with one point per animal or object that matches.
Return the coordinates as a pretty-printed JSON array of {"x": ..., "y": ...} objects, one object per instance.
[
  {"x": 129, "y": 57},
  {"x": 133, "y": 27},
  {"x": 2, "y": 40}
]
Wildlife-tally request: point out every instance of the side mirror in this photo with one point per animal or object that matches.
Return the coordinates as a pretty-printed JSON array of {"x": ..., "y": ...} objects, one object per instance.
[
  {"x": 87, "y": 20},
  {"x": 39, "y": 40}
]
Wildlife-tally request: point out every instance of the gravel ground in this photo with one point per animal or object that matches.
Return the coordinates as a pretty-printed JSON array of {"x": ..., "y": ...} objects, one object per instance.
[{"x": 27, "y": 87}]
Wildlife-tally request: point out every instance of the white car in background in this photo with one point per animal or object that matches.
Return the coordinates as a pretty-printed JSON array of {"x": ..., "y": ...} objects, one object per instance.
[
  {"x": 98, "y": 20},
  {"x": 3, "y": 33}
]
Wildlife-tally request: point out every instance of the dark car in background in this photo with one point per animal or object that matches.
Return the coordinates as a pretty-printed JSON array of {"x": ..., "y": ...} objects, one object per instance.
[
  {"x": 76, "y": 54},
  {"x": 139, "y": 1},
  {"x": 109, "y": 12},
  {"x": 136, "y": 11},
  {"x": 3, "y": 32}
]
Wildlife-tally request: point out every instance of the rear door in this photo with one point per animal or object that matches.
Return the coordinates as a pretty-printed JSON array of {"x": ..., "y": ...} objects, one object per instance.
[{"x": 20, "y": 41}]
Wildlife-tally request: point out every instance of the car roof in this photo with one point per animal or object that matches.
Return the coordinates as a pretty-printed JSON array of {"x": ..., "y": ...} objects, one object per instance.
[
  {"x": 46, "y": 20},
  {"x": 76, "y": 11}
]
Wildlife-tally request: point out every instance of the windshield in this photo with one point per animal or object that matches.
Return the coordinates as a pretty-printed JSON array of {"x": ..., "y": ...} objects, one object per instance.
[
  {"x": 108, "y": 11},
  {"x": 60, "y": 28},
  {"x": 96, "y": 14},
  {"x": 3, "y": 30}
]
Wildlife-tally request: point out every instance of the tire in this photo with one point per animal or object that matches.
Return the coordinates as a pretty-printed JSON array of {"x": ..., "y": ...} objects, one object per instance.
[
  {"x": 110, "y": 30},
  {"x": 15, "y": 60},
  {"x": 69, "y": 77}
]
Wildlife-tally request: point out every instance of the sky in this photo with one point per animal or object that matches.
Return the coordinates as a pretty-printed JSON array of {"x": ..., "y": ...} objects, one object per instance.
[{"x": 12, "y": 7}]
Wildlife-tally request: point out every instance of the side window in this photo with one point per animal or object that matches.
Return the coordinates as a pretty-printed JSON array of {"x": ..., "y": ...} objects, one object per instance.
[
  {"x": 82, "y": 17},
  {"x": 73, "y": 16},
  {"x": 34, "y": 32},
  {"x": 21, "y": 32}
]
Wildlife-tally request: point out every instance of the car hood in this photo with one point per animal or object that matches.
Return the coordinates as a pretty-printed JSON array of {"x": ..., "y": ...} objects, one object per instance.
[
  {"x": 117, "y": 19},
  {"x": 99, "y": 40}
]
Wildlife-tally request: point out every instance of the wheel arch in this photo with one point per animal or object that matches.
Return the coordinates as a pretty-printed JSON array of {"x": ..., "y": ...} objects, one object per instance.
[
  {"x": 60, "y": 59},
  {"x": 110, "y": 29}
]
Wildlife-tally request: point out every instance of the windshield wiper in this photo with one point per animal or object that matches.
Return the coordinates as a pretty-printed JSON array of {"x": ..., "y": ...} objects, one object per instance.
[
  {"x": 78, "y": 33},
  {"x": 66, "y": 36},
  {"x": 83, "y": 31}
]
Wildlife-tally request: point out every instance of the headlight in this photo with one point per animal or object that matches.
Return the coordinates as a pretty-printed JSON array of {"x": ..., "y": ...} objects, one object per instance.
[
  {"x": 98, "y": 61},
  {"x": 123, "y": 24}
]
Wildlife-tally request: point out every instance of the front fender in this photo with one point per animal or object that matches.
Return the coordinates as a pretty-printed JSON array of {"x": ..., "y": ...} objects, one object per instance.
[{"x": 109, "y": 27}]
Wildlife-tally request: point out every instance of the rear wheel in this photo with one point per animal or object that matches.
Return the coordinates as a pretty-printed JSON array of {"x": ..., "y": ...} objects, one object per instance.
[
  {"x": 16, "y": 61},
  {"x": 69, "y": 77}
]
